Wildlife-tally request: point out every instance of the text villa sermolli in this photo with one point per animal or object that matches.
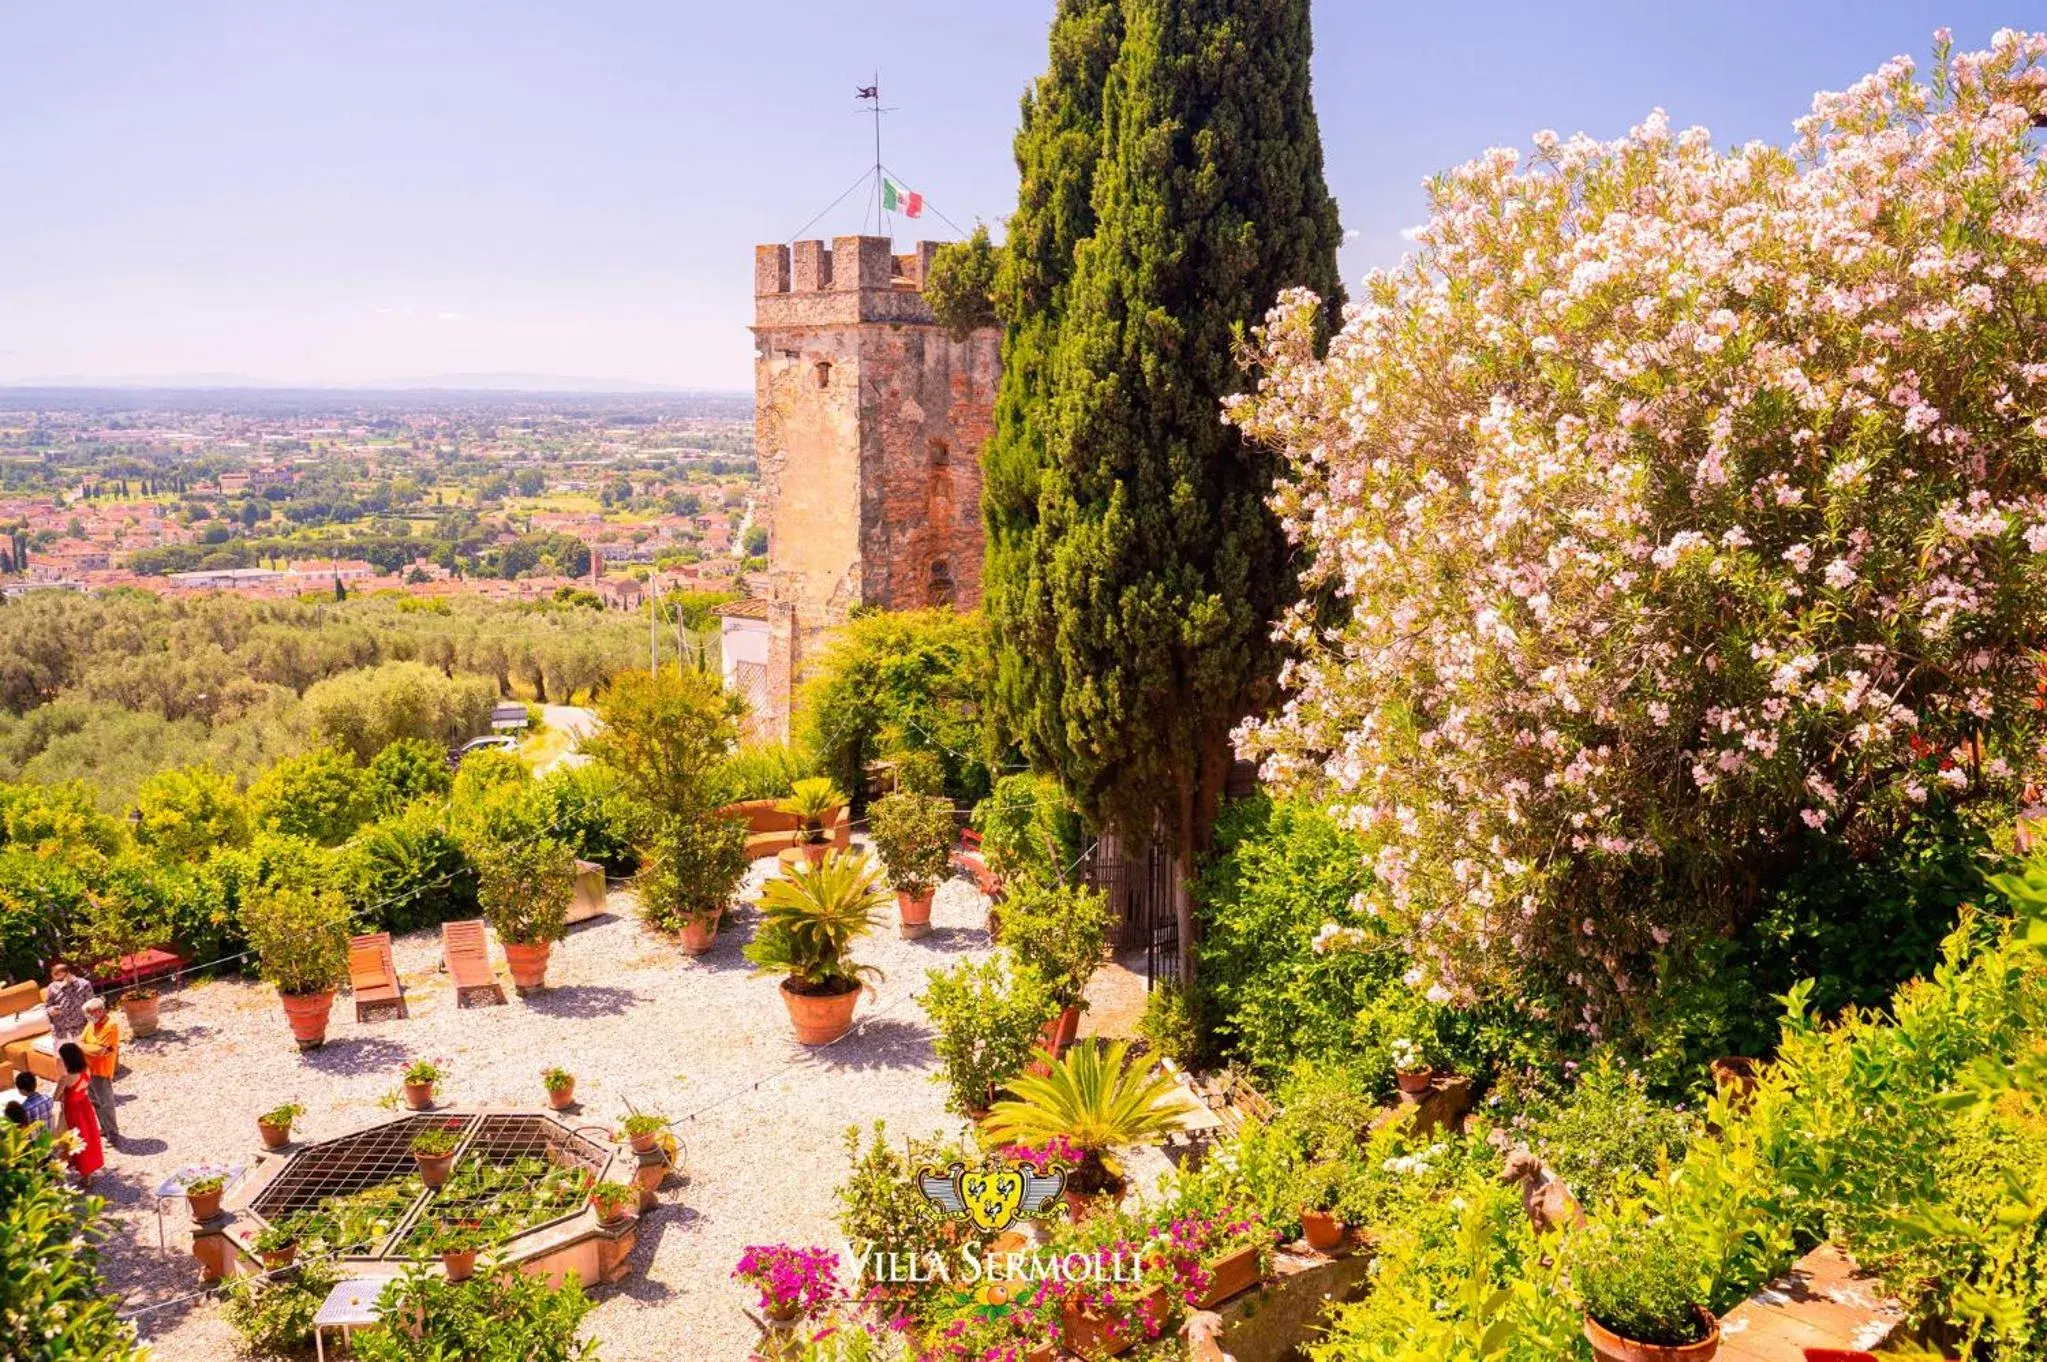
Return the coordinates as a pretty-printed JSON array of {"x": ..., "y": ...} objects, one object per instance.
[{"x": 875, "y": 1264}]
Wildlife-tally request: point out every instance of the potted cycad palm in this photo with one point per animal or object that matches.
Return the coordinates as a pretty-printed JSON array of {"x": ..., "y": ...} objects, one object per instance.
[
  {"x": 914, "y": 835},
  {"x": 811, "y": 802},
  {"x": 809, "y": 920},
  {"x": 300, "y": 937},
  {"x": 1639, "y": 1287},
  {"x": 1098, "y": 1099}
]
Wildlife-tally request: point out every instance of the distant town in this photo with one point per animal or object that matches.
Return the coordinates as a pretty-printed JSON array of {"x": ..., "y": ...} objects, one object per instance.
[{"x": 280, "y": 493}]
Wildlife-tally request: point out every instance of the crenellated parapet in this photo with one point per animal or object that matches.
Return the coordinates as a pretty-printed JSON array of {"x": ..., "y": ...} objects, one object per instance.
[{"x": 854, "y": 279}]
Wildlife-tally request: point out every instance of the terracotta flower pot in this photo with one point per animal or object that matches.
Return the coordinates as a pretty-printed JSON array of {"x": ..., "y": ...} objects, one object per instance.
[
  {"x": 644, "y": 1144},
  {"x": 434, "y": 1169},
  {"x": 562, "y": 1098},
  {"x": 915, "y": 909},
  {"x": 608, "y": 1213},
  {"x": 205, "y": 1205},
  {"x": 419, "y": 1096},
  {"x": 699, "y": 934},
  {"x": 274, "y": 1136},
  {"x": 1230, "y": 1275},
  {"x": 307, "y": 1013},
  {"x": 1322, "y": 1230},
  {"x": 1069, "y": 1027},
  {"x": 280, "y": 1258},
  {"x": 1416, "y": 1082},
  {"x": 141, "y": 1011},
  {"x": 815, "y": 852},
  {"x": 528, "y": 962},
  {"x": 459, "y": 1264},
  {"x": 820, "y": 1018},
  {"x": 1609, "y": 1346}
]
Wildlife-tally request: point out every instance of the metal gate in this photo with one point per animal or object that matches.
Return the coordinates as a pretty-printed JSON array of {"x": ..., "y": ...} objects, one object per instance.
[{"x": 1141, "y": 883}]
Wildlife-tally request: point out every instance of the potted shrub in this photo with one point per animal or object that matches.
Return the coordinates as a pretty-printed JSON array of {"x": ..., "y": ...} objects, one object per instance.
[
  {"x": 121, "y": 922},
  {"x": 1212, "y": 1257},
  {"x": 914, "y": 835},
  {"x": 300, "y": 937},
  {"x": 275, "y": 1124},
  {"x": 1100, "y": 1100},
  {"x": 643, "y": 1129},
  {"x": 989, "y": 1014},
  {"x": 610, "y": 1200},
  {"x": 1411, "y": 1067},
  {"x": 810, "y": 802},
  {"x": 525, "y": 881},
  {"x": 433, "y": 1149},
  {"x": 1061, "y": 931},
  {"x": 792, "y": 1282},
  {"x": 458, "y": 1242},
  {"x": 561, "y": 1087},
  {"x": 1321, "y": 1195},
  {"x": 689, "y": 871},
  {"x": 204, "y": 1195},
  {"x": 278, "y": 1244},
  {"x": 809, "y": 920},
  {"x": 1639, "y": 1287},
  {"x": 422, "y": 1076}
]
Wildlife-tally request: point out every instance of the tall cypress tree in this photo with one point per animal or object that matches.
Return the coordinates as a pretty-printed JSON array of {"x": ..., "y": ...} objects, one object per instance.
[{"x": 1133, "y": 614}]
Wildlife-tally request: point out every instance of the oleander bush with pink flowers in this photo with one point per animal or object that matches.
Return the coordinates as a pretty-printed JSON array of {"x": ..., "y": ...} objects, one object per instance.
[{"x": 1671, "y": 510}]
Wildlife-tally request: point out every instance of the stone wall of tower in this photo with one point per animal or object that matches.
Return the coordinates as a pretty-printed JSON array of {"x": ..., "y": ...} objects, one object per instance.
[{"x": 869, "y": 421}]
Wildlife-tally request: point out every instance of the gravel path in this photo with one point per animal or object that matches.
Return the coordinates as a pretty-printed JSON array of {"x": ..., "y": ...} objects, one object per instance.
[{"x": 633, "y": 1018}]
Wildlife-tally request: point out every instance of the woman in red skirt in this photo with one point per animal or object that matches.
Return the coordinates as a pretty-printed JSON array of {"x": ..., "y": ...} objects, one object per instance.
[{"x": 74, "y": 1094}]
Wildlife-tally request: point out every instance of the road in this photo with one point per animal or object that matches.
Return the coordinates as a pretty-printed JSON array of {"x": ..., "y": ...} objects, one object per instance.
[{"x": 578, "y": 723}]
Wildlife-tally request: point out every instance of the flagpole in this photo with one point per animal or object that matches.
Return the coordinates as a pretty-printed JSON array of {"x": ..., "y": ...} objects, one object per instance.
[{"x": 880, "y": 196}]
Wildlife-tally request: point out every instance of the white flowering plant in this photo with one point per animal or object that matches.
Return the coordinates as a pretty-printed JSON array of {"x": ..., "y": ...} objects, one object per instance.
[{"x": 1666, "y": 507}]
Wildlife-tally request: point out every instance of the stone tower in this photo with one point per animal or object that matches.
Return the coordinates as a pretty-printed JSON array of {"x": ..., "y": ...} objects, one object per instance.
[{"x": 868, "y": 423}]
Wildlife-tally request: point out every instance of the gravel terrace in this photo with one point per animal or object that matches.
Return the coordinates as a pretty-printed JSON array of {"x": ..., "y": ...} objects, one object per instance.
[{"x": 634, "y": 1019}]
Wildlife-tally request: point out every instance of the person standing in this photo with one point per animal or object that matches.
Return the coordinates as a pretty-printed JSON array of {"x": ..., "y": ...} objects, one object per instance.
[
  {"x": 102, "y": 1045},
  {"x": 64, "y": 1000},
  {"x": 75, "y": 1097},
  {"x": 34, "y": 1105}
]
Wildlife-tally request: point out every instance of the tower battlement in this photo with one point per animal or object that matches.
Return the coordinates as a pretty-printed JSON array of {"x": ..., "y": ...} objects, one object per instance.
[{"x": 853, "y": 279}]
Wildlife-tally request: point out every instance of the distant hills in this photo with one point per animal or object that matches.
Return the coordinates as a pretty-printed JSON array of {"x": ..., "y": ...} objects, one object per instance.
[{"x": 227, "y": 382}]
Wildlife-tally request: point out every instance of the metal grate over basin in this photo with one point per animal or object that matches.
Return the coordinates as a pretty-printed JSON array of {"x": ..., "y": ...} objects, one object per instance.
[{"x": 380, "y": 1155}]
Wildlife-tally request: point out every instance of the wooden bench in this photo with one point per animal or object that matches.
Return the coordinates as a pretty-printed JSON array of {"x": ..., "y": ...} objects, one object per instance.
[
  {"x": 372, "y": 977},
  {"x": 1823, "y": 1304},
  {"x": 465, "y": 948}
]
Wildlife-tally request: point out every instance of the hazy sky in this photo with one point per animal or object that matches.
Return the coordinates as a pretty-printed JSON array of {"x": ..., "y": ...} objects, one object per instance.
[{"x": 367, "y": 191}]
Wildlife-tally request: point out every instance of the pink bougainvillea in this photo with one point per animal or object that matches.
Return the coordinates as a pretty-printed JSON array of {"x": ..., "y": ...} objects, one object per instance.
[{"x": 1666, "y": 506}]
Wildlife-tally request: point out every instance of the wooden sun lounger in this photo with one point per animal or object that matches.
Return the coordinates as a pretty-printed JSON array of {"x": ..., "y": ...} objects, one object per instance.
[
  {"x": 466, "y": 949},
  {"x": 372, "y": 977}
]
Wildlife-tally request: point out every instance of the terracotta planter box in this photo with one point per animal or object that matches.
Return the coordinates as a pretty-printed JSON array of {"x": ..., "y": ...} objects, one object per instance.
[
  {"x": 820, "y": 1018},
  {"x": 141, "y": 1011},
  {"x": 1611, "y": 1347},
  {"x": 528, "y": 962},
  {"x": 307, "y": 1013},
  {"x": 419, "y": 1096},
  {"x": 1230, "y": 1275},
  {"x": 1323, "y": 1231},
  {"x": 1094, "y": 1336}
]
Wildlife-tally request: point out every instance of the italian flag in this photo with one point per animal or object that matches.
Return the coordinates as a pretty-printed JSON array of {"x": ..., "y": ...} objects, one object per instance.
[{"x": 905, "y": 201}]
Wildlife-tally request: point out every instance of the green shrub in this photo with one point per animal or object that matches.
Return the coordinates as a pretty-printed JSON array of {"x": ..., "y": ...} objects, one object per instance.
[
  {"x": 526, "y": 875},
  {"x": 1606, "y": 1133},
  {"x": 590, "y": 810},
  {"x": 989, "y": 1014},
  {"x": 1641, "y": 1281},
  {"x": 408, "y": 871},
  {"x": 1028, "y": 830},
  {"x": 1168, "y": 1024},
  {"x": 492, "y": 1317},
  {"x": 320, "y": 796},
  {"x": 274, "y": 1315},
  {"x": 1060, "y": 931},
  {"x": 690, "y": 869},
  {"x": 190, "y": 813},
  {"x": 760, "y": 771},
  {"x": 914, "y": 834},
  {"x": 407, "y": 770},
  {"x": 51, "y": 1295},
  {"x": 300, "y": 935}
]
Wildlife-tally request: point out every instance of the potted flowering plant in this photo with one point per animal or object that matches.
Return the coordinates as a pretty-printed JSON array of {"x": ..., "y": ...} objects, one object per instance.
[
  {"x": 1322, "y": 1189},
  {"x": 1108, "y": 1314},
  {"x": 278, "y": 1244},
  {"x": 1639, "y": 1287},
  {"x": 204, "y": 1194},
  {"x": 560, "y": 1085},
  {"x": 275, "y": 1124},
  {"x": 1212, "y": 1257},
  {"x": 610, "y": 1200},
  {"x": 422, "y": 1076},
  {"x": 1412, "y": 1068},
  {"x": 643, "y": 1129},
  {"x": 810, "y": 919},
  {"x": 433, "y": 1149},
  {"x": 792, "y": 1282},
  {"x": 914, "y": 835},
  {"x": 458, "y": 1242}
]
